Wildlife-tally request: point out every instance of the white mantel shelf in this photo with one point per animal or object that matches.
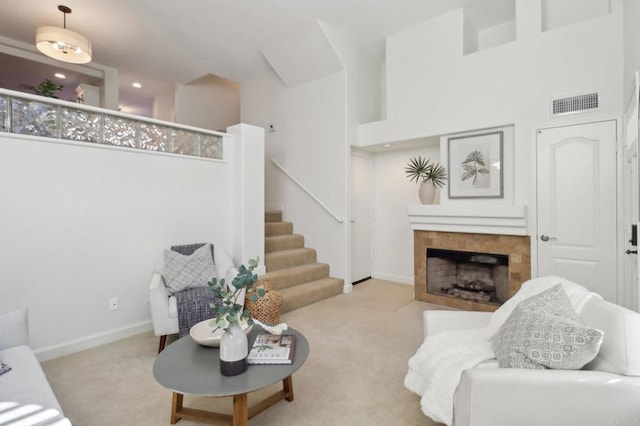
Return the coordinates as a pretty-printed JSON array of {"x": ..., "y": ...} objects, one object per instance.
[{"x": 477, "y": 219}]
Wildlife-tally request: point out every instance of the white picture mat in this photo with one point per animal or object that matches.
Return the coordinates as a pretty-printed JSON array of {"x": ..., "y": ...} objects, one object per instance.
[{"x": 487, "y": 185}]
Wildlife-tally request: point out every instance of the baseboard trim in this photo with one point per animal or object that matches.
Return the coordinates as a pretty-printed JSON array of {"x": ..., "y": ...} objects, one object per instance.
[
  {"x": 395, "y": 278},
  {"x": 92, "y": 341}
]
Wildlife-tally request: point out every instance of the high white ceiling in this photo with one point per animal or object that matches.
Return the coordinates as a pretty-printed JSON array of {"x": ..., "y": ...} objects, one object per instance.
[{"x": 163, "y": 42}]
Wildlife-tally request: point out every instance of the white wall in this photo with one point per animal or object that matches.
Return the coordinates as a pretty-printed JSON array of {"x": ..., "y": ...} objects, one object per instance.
[
  {"x": 210, "y": 102},
  {"x": 393, "y": 192},
  {"x": 631, "y": 40},
  {"x": 163, "y": 108},
  {"x": 310, "y": 142},
  {"x": 433, "y": 89},
  {"x": 82, "y": 223}
]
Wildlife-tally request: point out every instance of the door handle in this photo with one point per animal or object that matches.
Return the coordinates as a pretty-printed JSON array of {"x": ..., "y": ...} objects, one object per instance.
[
  {"x": 631, "y": 251},
  {"x": 547, "y": 238}
]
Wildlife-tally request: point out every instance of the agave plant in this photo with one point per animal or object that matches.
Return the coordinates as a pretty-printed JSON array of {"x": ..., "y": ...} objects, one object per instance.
[{"x": 423, "y": 170}]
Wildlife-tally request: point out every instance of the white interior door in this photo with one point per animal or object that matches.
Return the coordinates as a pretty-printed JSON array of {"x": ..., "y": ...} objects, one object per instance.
[
  {"x": 576, "y": 189},
  {"x": 629, "y": 293},
  {"x": 360, "y": 216},
  {"x": 629, "y": 298}
]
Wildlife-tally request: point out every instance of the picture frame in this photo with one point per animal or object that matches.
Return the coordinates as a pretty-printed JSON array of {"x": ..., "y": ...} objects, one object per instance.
[{"x": 475, "y": 165}]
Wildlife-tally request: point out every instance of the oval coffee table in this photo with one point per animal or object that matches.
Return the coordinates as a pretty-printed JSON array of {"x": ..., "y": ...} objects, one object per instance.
[{"x": 185, "y": 367}]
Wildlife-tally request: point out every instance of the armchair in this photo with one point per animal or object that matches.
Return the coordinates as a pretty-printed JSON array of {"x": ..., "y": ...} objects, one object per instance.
[
  {"x": 606, "y": 391},
  {"x": 164, "y": 307}
]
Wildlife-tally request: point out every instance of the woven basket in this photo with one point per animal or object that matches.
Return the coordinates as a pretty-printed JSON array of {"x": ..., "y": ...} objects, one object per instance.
[{"x": 267, "y": 308}]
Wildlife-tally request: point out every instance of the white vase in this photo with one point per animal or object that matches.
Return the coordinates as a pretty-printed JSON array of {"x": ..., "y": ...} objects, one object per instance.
[
  {"x": 427, "y": 192},
  {"x": 234, "y": 348}
]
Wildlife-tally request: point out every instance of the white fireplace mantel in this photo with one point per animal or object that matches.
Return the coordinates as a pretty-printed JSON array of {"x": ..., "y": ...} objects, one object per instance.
[{"x": 470, "y": 218}]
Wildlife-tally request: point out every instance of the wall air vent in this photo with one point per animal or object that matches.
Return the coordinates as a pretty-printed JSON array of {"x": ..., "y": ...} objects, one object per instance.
[{"x": 574, "y": 104}]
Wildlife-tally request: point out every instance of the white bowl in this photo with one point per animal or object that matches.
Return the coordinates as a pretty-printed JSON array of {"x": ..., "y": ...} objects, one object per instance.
[{"x": 206, "y": 335}]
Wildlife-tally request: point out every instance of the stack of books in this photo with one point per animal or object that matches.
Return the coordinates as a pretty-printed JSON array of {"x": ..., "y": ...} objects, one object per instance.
[{"x": 272, "y": 349}]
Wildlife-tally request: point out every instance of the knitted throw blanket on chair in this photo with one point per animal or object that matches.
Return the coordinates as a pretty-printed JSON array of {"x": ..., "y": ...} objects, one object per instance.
[{"x": 193, "y": 307}]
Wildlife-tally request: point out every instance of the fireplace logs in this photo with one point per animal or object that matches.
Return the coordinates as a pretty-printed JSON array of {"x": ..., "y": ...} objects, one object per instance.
[{"x": 476, "y": 290}]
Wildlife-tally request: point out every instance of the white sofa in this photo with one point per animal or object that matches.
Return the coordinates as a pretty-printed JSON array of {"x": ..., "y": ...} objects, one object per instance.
[
  {"x": 605, "y": 392},
  {"x": 25, "y": 393}
]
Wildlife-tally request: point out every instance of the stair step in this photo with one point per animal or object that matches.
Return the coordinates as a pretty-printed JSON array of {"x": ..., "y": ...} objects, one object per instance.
[
  {"x": 304, "y": 294},
  {"x": 288, "y": 258},
  {"x": 283, "y": 242},
  {"x": 289, "y": 277},
  {"x": 273, "y": 216},
  {"x": 277, "y": 228}
]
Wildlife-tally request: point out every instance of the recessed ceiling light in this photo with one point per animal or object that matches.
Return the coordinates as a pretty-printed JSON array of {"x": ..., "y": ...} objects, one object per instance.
[
  {"x": 59, "y": 75},
  {"x": 136, "y": 85},
  {"x": 387, "y": 145}
]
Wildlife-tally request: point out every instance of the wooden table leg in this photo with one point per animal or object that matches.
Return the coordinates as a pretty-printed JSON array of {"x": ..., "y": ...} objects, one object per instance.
[
  {"x": 287, "y": 384},
  {"x": 176, "y": 405},
  {"x": 240, "y": 410}
]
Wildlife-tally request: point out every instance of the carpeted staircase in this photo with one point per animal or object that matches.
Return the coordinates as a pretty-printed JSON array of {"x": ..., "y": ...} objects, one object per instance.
[{"x": 292, "y": 268}]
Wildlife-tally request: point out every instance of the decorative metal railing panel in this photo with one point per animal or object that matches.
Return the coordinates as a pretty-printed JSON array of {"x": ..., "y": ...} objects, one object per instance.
[{"x": 37, "y": 116}]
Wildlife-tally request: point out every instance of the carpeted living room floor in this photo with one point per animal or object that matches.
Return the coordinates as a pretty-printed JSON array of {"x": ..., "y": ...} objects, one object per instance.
[{"x": 360, "y": 344}]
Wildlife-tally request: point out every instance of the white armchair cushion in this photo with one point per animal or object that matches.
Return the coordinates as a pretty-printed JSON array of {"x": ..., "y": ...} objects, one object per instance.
[
  {"x": 544, "y": 331},
  {"x": 620, "y": 351},
  {"x": 514, "y": 396},
  {"x": 184, "y": 272}
]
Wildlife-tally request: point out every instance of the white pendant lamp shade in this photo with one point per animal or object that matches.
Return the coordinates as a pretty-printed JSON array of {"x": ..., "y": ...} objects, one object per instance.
[{"x": 63, "y": 44}]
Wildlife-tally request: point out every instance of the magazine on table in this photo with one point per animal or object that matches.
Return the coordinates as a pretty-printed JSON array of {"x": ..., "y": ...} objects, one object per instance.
[{"x": 272, "y": 349}]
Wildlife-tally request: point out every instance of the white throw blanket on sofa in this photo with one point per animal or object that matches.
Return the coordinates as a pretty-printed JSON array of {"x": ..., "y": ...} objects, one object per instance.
[{"x": 435, "y": 369}]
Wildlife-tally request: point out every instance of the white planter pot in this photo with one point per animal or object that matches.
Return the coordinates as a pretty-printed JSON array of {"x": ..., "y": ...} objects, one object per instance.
[
  {"x": 234, "y": 348},
  {"x": 427, "y": 192}
]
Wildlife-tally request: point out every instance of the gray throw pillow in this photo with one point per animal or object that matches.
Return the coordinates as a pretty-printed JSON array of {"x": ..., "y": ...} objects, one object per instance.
[
  {"x": 544, "y": 331},
  {"x": 183, "y": 272}
]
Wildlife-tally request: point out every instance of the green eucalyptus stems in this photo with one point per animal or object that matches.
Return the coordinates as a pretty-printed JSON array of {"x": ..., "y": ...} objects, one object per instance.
[
  {"x": 423, "y": 170},
  {"x": 226, "y": 309}
]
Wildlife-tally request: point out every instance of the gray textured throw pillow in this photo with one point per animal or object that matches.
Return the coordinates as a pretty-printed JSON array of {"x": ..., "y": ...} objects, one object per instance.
[
  {"x": 183, "y": 272},
  {"x": 544, "y": 331}
]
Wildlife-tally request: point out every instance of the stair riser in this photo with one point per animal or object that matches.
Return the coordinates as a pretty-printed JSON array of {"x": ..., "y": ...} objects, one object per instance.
[
  {"x": 295, "y": 301},
  {"x": 273, "y": 217},
  {"x": 287, "y": 278},
  {"x": 276, "y": 261},
  {"x": 278, "y": 228},
  {"x": 281, "y": 242}
]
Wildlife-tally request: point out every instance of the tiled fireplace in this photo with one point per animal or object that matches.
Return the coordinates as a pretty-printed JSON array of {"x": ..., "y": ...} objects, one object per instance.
[
  {"x": 469, "y": 261},
  {"x": 516, "y": 250}
]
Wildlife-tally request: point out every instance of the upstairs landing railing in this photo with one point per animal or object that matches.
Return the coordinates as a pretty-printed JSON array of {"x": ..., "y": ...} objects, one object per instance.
[{"x": 25, "y": 114}]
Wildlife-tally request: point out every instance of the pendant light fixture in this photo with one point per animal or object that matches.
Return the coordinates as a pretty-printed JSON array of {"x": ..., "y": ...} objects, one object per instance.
[{"x": 63, "y": 44}]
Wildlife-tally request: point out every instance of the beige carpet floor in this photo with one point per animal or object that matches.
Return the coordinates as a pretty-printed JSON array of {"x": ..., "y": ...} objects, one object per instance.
[{"x": 360, "y": 344}]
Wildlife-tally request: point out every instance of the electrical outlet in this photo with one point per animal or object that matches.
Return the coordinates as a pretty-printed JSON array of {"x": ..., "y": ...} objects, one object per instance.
[{"x": 113, "y": 304}]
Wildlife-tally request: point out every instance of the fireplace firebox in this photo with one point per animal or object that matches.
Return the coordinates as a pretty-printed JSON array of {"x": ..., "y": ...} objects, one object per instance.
[
  {"x": 515, "y": 248},
  {"x": 474, "y": 276}
]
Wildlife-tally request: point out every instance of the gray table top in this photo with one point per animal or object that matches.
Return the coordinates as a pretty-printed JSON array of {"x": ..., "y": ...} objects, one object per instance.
[{"x": 189, "y": 368}]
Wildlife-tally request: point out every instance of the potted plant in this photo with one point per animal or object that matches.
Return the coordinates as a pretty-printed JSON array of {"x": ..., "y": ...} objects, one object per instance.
[
  {"x": 47, "y": 88},
  {"x": 230, "y": 316},
  {"x": 430, "y": 175}
]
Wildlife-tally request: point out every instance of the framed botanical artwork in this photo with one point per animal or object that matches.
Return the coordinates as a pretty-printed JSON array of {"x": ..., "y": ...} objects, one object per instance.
[{"x": 475, "y": 165}]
